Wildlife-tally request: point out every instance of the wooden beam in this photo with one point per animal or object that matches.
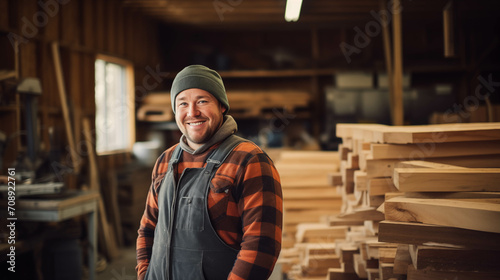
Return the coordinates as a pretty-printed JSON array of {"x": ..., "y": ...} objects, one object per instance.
[
  {"x": 451, "y": 259},
  {"x": 426, "y": 274},
  {"x": 397, "y": 109},
  {"x": 437, "y": 133},
  {"x": 402, "y": 260},
  {"x": 448, "y": 29},
  {"x": 447, "y": 180},
  {"x": 425, "y": 164},
  {"x": 64, "y": 104},
  {"x": 434, "y": 150},
  {"x": 417, "y": 233},
  {"x": 380, "y": 186},
  {"x": 388, "y": 55},
  {"x": 474, "y": 215},
  {"x": 385, "y": 167}
]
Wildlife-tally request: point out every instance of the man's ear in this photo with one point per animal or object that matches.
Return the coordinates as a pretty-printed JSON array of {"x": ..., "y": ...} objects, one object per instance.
[{"x": 224, "y": 109}]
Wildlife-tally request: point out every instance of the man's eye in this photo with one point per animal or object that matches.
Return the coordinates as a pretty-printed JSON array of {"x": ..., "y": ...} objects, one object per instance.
[
  {"x": 182, "y": 104},
  {"x": 202, "y": 101}
]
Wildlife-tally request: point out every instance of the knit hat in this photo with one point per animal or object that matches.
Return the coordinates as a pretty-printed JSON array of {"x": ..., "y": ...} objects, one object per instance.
[{"x": 199, "y": 76}]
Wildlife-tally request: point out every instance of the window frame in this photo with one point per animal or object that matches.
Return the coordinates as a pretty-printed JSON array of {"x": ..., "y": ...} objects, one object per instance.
[{"x": 130, "y": 102}]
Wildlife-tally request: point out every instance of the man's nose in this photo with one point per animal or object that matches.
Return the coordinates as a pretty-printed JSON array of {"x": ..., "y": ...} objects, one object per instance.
[{"x": 193, "y": 110}]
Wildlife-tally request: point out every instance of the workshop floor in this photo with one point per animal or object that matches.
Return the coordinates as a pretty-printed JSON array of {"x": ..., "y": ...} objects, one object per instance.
[{"x": 121, "y": 268}]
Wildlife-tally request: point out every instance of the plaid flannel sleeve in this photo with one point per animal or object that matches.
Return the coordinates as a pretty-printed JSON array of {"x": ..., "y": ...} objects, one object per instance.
[
  {"x": 261, "y": 210},
  {"x": 149, "y": 219}
]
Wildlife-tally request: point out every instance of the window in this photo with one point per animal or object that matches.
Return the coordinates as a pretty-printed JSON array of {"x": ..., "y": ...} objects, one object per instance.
[{"x": 114, "y": 98}]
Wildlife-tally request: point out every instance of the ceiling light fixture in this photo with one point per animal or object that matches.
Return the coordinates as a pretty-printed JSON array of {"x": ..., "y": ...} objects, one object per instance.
[{"x": 292, "y": 10}]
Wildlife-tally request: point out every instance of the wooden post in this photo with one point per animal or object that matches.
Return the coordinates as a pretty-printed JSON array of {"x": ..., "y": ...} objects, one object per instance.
[
  {"x": 397, "y": 108},
  {"x": 65, "y": 109},
  {"x": 316, "y": 95},
  {"x": 388, "y": 56},
  {"x": 448, "y": 30}
]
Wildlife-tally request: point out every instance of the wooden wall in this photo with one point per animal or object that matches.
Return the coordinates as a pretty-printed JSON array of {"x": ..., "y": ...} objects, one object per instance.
[{"x": 83, "y": 29}]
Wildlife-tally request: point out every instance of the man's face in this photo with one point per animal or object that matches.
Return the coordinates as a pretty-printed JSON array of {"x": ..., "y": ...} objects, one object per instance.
[{"x": 198, "y": 115}]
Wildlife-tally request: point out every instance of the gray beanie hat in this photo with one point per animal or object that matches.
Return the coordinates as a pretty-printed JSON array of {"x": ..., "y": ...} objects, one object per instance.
[{"x": 199, "y": 76}]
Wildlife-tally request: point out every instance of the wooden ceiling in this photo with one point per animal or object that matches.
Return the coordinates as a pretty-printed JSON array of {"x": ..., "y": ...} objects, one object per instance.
[{"x": 270, "y": 13}]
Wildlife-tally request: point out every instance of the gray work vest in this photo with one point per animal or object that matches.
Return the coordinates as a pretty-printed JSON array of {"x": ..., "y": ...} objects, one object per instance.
[{"x": 186, "y": 246}]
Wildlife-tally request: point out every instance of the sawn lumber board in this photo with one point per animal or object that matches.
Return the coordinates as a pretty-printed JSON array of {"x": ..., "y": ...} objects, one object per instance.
[
  {"x": 426, "y": 274},
  {"x": 482, "y": 216},
  {"x": 385, "y": 167},
  {"x": 447, "y": 180},
  {"x": 417, "y": 233},
  {"x": 438, "y": 133},
  {"x": 449, "y": 259},
  {"x": 433, "y": 150}
]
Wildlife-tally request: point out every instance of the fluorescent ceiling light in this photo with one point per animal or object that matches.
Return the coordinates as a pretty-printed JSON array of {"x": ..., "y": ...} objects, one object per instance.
[{"x": 292, "y": 10}]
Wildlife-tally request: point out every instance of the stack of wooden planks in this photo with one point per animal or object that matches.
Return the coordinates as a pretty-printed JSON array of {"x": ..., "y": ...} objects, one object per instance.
[
  {"x": 156, "y": 107},
  {"x": 428, "y": 199},
  {"x": 307, "y": 194},
  {"x": 308, "y": 197}
]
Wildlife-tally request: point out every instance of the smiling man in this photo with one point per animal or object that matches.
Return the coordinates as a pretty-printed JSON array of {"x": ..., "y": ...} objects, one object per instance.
[{"x": 214, "y": 208}]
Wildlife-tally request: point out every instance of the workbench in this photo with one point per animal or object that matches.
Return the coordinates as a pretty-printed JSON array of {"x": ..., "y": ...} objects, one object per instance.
[{"x": 62, "y": 207}]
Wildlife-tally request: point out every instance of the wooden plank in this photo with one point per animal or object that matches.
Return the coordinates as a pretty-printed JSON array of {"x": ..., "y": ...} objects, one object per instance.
[
  {"x": 454, "y": 195},
  {"x": 397, "y": 109},
  {"x": 352, "y": 161},
  {"x": 381, "y": 186},
  {"x": 319, "y": 265},
  {"x": 388, "y": 54},
  {"x": 373, "y": 247},
  {"x": 346, "y": 130},
  {"x": 447, "y": 180},
  {"x": 385, "y": 167},
  {"x": 360, "y": 266},
  {"x": 449, "y": 29},
  {"x": 311, "y": 193},
  {"x": 340, "y": 274},
  {"x": 437, "y": 133},
  {"x": 56, "y": 201},
  {"x": 386, "y": 272},
  {"x": 387, "y": 255},
  {"x": 434, "y": 150},
  {"x": 326, "y": 157},
  {"x": 334, "y": 179},
  {"x": 366, "y": 213},
  {"x": 482, "y": 216},
  {"x": 307, "y": 232},
  {"x": 427, "y": 274},
  {"x": 338, "y": 221},
  {"x": 64, "y": 104},
  {"x": 360, "y": 183},
  {"x": 305, "y": 216},
  {"x": 425, "y": 164},
  {"x": 417, "y": 233},
  {"x": 402, "y": 259},
  {"x": 312, "y": 204},
  {"x": 451, "y": 259},
  {"x": 106, "y": 232}
]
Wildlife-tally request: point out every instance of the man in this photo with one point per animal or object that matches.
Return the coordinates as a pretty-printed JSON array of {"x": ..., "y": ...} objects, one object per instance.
[{"x": 214, "y": 209}]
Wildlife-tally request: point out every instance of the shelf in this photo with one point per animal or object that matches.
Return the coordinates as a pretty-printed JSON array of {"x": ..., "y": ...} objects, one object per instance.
[
  {"x": 275, "y": 73},
  {"x": 7, "y": 74},
  {"x": 267, "y": 73}
]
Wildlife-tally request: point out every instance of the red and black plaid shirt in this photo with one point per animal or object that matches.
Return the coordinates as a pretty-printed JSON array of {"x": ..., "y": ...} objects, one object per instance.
[{"x": 245, "y": 206}]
